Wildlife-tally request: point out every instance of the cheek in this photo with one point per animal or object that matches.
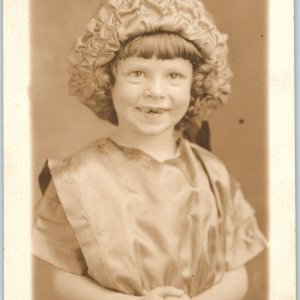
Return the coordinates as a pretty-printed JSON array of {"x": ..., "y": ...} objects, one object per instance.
[
  {"x": 123, "y": 99},
  {"x": 184, "y": 96},
  {"x": 117, "y": 99},
  {"x": 117, "y": 92},
  {"x": 125, "y": 91}
]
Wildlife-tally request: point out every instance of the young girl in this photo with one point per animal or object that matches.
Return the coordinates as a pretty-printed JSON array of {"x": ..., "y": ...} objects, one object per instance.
[{"x": 146, "y": 214}]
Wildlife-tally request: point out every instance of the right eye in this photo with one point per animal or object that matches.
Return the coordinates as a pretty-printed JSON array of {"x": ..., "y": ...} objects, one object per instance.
[{"x": 137, "y": 74}]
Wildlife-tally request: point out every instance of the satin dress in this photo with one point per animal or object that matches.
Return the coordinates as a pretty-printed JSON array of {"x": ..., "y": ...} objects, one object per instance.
[{"x": 133, "y": 223}]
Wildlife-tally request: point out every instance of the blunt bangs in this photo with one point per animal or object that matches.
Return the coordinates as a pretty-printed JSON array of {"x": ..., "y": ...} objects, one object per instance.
[{"x": 162, "y": 45}]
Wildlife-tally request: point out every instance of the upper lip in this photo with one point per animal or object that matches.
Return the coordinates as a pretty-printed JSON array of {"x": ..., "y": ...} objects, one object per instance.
[{"x": 153, "y": 107}]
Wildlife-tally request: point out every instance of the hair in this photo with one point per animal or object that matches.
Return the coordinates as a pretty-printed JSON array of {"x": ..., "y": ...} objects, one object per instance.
[
  {"x": 161, "y": 45},
  {"x": 177, "y": 29}
]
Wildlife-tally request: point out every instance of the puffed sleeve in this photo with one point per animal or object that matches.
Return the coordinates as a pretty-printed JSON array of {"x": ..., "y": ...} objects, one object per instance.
[
  {"x": 53, "y": 238},
  {"x": 244, "y": 239}
]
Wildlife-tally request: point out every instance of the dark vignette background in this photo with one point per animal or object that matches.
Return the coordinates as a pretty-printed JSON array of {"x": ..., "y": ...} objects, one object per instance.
[{"x": 60, "y": 125}]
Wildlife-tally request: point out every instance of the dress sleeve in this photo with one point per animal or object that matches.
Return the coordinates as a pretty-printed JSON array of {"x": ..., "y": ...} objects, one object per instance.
[
  {"x": 53, "y": 238},
  {"x": 244, "y": 239}
]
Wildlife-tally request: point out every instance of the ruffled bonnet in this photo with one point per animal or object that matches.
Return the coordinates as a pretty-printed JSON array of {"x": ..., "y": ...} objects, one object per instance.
[{"x": 120, "y": 20}]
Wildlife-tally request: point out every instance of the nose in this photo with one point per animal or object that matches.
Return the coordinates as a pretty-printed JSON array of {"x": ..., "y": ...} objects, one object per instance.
[{"x": 155, "y": 88}]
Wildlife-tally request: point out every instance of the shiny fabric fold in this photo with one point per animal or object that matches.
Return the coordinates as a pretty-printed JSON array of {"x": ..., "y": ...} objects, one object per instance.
[{"x": 53, "y": 238}]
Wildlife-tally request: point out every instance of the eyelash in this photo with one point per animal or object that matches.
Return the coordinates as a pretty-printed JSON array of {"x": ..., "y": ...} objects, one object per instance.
[
  {"x": 177, "y": 76},
  {"x": 136, "y": 74},
  {"x": 139, "y": 74}
]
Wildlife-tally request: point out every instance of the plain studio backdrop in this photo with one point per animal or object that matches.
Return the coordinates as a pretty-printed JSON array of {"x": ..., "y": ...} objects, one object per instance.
[{"x": 61, "y": 125}]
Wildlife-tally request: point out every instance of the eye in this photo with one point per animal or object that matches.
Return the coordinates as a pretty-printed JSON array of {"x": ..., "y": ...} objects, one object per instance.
[
  {"x": 136, "y": 74},
  {"x": 174, "y": 76}
]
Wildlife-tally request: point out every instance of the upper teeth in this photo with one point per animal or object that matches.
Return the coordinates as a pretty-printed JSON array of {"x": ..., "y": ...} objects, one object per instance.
[{"x": 151, "y": 110}]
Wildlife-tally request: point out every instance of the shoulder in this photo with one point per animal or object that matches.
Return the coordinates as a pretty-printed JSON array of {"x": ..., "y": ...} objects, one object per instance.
[
  {"x": 209, "y": 159},
  {"x": 215, "y": 168},
  {"x": 95, "y": 150},
  {"x": 95, "y": 154}
]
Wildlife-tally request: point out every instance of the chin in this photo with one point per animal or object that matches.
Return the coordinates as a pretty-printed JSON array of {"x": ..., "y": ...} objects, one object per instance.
[{"x": 155, "y": 130}]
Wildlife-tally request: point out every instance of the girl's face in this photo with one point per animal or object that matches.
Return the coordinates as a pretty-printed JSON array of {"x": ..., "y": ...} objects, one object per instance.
[{"x": 151, "y": 96}]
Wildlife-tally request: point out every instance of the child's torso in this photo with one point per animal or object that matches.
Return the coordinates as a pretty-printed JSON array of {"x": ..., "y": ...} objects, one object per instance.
[{"x": 146, "y": 223}]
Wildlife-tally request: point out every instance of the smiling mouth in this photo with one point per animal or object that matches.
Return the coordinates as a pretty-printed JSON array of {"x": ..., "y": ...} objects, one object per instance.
[{"x": 152, "y": 110}]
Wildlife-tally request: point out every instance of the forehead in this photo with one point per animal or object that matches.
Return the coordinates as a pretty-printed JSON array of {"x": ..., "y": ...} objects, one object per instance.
[{"x": 154, "y": 63}]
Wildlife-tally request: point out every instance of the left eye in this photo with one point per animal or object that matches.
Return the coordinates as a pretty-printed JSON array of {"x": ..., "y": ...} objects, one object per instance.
[{"x": 174, "y": 76}]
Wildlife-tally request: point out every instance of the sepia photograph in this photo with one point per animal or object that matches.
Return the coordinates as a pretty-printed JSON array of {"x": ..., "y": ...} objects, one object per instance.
[{"x": 150, "y": 151}]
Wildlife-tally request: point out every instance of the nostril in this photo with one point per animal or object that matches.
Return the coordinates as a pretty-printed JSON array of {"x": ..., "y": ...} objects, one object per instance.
[
  {"x": 155, "y": 91},
  {"x": 148, "y": 93}
]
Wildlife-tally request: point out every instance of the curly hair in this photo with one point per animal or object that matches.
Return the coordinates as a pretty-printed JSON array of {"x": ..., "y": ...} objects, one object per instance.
[{"x": 178, "y": 30}]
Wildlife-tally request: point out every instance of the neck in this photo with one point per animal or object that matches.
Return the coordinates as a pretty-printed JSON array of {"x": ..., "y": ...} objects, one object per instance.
[{"x": 161, "y": 147}]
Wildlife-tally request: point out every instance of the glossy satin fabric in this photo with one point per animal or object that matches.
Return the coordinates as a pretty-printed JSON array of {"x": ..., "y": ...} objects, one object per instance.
[{"x": 140, "y": 223}]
